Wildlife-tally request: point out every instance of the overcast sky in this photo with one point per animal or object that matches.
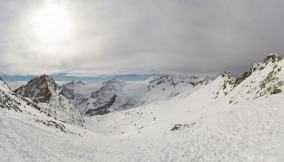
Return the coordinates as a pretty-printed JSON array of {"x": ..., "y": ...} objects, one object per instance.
[{"x": 138, "y": 36}]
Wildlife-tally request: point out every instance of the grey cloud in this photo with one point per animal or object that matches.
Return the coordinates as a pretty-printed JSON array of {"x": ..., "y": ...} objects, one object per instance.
[{"x": 188, "y": 36}]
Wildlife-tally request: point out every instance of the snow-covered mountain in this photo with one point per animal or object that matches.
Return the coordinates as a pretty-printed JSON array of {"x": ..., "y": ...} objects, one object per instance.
[
  {"x": 47, "y": 94},
  {"x": 228, "y": 119},
  {"x": 68, "y": 90},
  {"x": 120, "y": 95},
  {"x": 166, "y": 87},
  {"x": 24, "y": 110}
]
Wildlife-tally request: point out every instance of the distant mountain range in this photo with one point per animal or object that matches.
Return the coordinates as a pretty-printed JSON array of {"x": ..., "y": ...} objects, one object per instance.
[
  {"x": 120, "y": 95},
  {"x": 69, "y": 77}
]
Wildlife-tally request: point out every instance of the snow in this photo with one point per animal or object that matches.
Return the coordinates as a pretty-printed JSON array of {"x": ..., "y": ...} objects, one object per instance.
[
  {"x": 210, "y": 128},
  {"x": 4, "y": 86},
  {"x": 245, "y": 132}
]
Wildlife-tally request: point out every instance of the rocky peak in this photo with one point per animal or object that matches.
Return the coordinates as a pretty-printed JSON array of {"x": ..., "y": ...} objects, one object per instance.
[
  {"x": 109, "y": 88},
  {"x": 80, "y": 82},
  {"x": 40, "y": 89},
  {"x": 113, "y": 82},
  {"x": 47, "y": 94},
  {"x": 101, "y": 100},
  {"x": 74, "y": 83}
]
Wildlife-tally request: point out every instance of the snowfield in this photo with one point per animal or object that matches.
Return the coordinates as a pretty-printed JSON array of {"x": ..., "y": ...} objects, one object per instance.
[{"x": 225, "y": 120}]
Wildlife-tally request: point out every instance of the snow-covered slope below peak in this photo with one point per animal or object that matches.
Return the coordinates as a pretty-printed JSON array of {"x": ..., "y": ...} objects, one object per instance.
[
  {"x": 3, "y": 85},
  {"x": 47, "y": 94},
  {"x": 222, "y": 85}
]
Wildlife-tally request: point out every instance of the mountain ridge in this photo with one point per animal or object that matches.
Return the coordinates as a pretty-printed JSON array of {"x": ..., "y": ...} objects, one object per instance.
[{"x": 120, "y": 95}]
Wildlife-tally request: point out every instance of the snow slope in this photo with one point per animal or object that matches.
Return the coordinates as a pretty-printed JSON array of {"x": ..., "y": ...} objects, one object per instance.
[
  {"x": 3, "y": 85},
  {"x": 196, "y": 126}
]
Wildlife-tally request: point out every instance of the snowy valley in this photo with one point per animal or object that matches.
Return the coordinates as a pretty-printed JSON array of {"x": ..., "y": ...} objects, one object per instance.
[{"x": 164, "y": 118}]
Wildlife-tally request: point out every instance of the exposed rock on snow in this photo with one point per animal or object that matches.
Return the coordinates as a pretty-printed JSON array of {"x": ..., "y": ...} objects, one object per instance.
[
  {"x": 182, "y": 126},
  {"x": 227, "y": 82}
]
